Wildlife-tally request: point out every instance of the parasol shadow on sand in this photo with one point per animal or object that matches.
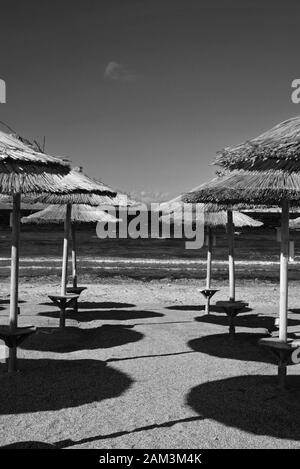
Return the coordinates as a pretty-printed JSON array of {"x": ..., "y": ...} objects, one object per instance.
[
  {"x": 105, "y": 305},
  {"x": 251, "y": 404},
  {"x": 73, "y": 339},
  {"x": 213, "y": 308},
  {"x": 112, "y": 315},
  {"x": 262, "y": 171},
  {"x": 253, "y": 321},
  {"x": 100, "y": 305},
  {"x": 29, "y": 445},
  {"x": 47, "y": 385},
  {"x": 244, "y": 347}
]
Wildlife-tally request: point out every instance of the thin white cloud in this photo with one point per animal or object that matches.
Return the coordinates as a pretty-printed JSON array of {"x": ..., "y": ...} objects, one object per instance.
[{"x": 118, "y": 72}]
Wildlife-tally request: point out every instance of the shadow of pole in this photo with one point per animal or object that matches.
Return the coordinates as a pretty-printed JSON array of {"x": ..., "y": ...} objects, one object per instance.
[{"x": 69, "y": 443}]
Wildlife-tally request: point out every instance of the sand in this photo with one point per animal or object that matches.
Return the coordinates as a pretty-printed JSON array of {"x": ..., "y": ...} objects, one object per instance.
[{"x": 141, "y": 366}]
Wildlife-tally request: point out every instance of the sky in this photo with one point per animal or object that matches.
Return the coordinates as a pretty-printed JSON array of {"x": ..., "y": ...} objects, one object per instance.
[{"x": 143, "y": 93}]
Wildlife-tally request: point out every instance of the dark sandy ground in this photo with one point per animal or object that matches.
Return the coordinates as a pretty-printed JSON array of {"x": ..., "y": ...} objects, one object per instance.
[{"x": 141, "y": 366}]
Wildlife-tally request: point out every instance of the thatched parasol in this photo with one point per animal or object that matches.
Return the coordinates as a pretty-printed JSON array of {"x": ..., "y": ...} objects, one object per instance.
[
  {"x": 211, "y": 220},
  {"x": 178, "y": 204},
  {"x": 24, "y": 169},
  {"x": 265, "y": 170},
  {"x": 88, "y": 191},
  {"x": 210, "y": 210},
  {"x": 78, "y": 188},
  {"x": 248, "y": 187},
  {"x": 277, "y": 149},
  {"x": 80, "y": 213}
]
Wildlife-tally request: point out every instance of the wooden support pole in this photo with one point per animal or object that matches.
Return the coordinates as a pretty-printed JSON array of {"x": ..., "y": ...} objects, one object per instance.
[
  {"x": 284, "y": 264},
  {"x": 292, "y": 251},
  {"x": 64, "y": 276},
  {"x": 74, "y": 256},
  {"x": 14, "y": 279},
  {"x": 230, "y": 234},
  {"x": 209, "y": 257}
]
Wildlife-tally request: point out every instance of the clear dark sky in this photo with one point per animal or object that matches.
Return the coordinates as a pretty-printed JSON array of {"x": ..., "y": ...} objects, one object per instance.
[{"x": 143, "y": 93}]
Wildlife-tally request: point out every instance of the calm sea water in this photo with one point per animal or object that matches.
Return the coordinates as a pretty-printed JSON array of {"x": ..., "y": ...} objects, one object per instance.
[{"x": 257, "y": 254}]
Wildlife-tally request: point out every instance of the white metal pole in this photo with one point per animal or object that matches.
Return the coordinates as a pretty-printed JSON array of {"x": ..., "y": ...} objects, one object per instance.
[
  {"x": 14, "y": 279},
  {"x": 230, "y": 234},
  {"x": 15, "y": 235},
  {"x": 209, "y": 257},
  {"x": 74, "y": 255},
  {"x": 284, "y": 263},
  {"x": 64, "y": 277}
]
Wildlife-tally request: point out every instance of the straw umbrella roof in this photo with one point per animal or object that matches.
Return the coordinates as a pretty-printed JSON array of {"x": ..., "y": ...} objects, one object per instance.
[
  {"x": 213, "y": 214},
  {"x": 178, "y": 203},
  {"x": 85, "y": 190},
  {"x": 250, "y": 187},
  {"x": 80, "y": 214},
  {"x": 263, "y": 171},
  {"x": 25, "y": 169},
  {"x": 277, "y": 148},
  {"x": 211, "y": 219},
  {"x": 6, "y": 204},
  {"x": 239, "y": 219},
  {"x": 78, "y": 188},
  {"x": 45, "y": 178},
  {"x": 75, "y": 188}
]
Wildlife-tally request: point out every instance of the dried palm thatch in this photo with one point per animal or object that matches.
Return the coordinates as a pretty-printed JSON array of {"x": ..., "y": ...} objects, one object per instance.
[
  {"x": 80, "y": 214},
  {"x": 211, "y": 218},
  {"x": 237, "y": 188},
  {"x": 277, "y": 148},
  {"x": 24, "y": 169},
  {"x": 179, "y": 202},
  {"x": 239, "y": 219},
  {"x": 78, "y": 188},
  {"x": 6, "y": 204}
]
